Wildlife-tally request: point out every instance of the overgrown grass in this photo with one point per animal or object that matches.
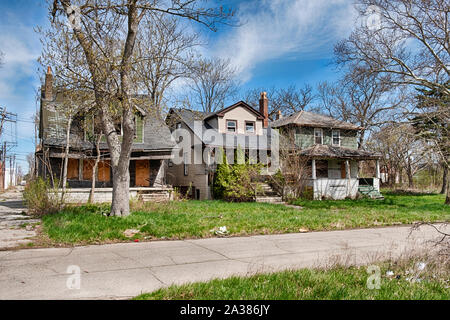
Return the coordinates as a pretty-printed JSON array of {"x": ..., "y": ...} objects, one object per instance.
[
  {"x": 308, "y": 284},
  {"x": 196, "y": 219}
]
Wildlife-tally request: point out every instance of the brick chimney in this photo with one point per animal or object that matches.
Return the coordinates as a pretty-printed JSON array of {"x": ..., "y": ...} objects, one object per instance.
[
  {"x": 279, "y": 115},
  {"x": 264, "y": 108},
  {"x": 48, "y": 85}
]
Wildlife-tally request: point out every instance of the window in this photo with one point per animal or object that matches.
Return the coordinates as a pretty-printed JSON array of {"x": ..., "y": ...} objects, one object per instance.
[
  {"x": 318, "y": 136},
  {"x": 178, "y": 125},
  {"x": 185, "y": 160},
  {"x": 231, "y": 125},
  {"x": 336, "y": 137},
  {"x": 249, "y": 127},
  {"x": 72, "y": 169},
  {"x": 321, "y": 168}
]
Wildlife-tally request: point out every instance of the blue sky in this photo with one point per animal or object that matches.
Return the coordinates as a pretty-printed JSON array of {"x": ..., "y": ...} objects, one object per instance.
[{"x": 278, "y": 43}]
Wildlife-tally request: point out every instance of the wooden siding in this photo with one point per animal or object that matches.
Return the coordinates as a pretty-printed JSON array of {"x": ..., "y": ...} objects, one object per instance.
[{"x": 304, "y": 137}]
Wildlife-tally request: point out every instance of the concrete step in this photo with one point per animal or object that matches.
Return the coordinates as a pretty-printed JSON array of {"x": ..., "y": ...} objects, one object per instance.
[
  {"x": 274, "y": 200},
  {"x": 155, "y": 197}
]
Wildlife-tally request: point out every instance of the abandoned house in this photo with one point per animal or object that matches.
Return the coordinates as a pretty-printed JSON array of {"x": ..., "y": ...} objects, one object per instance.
[
  {"x": 237, "y": 126},
  {"x": 329, "y": 145},
  {"x": 331, "y": 149},
  {"x": 152, "y": 148}
]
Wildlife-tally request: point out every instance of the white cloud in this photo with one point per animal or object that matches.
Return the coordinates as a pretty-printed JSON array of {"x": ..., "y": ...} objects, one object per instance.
[{"x": 285, "y": 28}]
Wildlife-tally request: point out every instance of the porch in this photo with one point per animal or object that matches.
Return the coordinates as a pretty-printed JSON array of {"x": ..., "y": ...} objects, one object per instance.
[
  {"x": 104, "y": 195},
  {"x": 335, "y": 173},
  {"x": 147, "y": 169}
]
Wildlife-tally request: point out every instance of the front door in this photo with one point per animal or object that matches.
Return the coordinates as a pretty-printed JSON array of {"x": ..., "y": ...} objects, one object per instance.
[
  {"x": 142, "y": 173},
  {"x": 343, "y": 170}
]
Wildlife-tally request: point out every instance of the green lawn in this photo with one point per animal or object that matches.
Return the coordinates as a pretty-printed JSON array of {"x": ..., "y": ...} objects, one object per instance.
[
  {"x": 196, "y": 219},
  {"x": 308, "y": 284}
]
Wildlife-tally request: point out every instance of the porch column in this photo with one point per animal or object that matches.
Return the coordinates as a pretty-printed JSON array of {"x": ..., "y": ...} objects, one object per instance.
[
  {"x": 377, "y": 173},
  {"x": 314, "y": 177}
]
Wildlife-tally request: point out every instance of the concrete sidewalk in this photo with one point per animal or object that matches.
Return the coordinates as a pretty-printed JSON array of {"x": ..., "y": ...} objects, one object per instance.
[
  {"x": 12, "y": 217},
  {"x": 126, "y": 270}
]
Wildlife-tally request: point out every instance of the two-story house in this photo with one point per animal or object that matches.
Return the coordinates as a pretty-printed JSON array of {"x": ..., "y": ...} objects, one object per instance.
[
  {"x": 236, "y": 126},
  {"x": 152, "y": 147},
  {"x": 331, "y": 149}
]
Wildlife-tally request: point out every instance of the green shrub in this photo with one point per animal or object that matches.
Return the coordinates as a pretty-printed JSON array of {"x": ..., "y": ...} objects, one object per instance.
[
  {"x": 41, "y": 198},
  {"x": 235, "y": 182}
]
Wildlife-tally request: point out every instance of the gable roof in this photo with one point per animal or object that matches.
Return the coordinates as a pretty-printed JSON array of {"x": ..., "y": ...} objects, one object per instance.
[
  {"x": 310, "y": 119},
  {"x": 222, "y": 112},
  {"x": 250, "y": 141}
]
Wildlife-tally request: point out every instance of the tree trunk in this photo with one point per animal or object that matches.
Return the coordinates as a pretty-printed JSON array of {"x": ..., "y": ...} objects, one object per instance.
[
  {"x": 94, "y": 171},
  {"x": 447, "y": 199},
  {"x": 66, "y": 158},
  {"x": 121, "y": 193},
  {"x": 445, "y": 184},
  {"x": 410, "y": 179}
]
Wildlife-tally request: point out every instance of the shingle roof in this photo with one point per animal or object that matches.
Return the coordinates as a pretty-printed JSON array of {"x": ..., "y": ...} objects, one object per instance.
[
  {"x": 157, "y": 135},
  {"x": 310, "y": 119},
  {"x": 322, "y": 151},
  {"x": 248, "y": 141}
]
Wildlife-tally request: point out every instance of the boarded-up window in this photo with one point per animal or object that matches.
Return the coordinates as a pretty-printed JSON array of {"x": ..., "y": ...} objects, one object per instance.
[
  {"x": 72, "y": 169},
  {"x": 88, "y": 167},
  {"x": 104, "y": 171},
  {"x": 142, "y": 173}
]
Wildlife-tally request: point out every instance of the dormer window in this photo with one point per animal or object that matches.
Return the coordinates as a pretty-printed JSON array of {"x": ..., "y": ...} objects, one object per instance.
[
  {"x": 231, "y": 126},
  {"x": 336, "y": 137},
  {"x": 249, "y": 127},
  {"x": 318, "y": 136}
]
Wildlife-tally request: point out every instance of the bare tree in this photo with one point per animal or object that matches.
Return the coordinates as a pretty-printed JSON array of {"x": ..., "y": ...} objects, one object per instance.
[
  {"x": 74, "y": 102},
  {"x": 285, "y": 100},
  {"x": 291, "y": 180},
  {"x": 361, "y": 98},
  {"x": 102, "y": 37},
  {"x": 211, "y": 83},
  {"x": 31, "y": 165},
  {"x": 401, "y": 150},
  {"x": 164, "y": 54},
  {"x": 410, "y": 42},
  {"x": 98, "y": 139}
]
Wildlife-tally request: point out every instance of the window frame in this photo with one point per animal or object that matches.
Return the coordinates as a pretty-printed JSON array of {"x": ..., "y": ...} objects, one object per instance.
[
  {"x": 235, "y": 126},
  {"x": 185, "y": 164},
  {"x": 321, "y": 135},
  {"x": 339, "y": 137},
  {"x": 254, "y": 127}
]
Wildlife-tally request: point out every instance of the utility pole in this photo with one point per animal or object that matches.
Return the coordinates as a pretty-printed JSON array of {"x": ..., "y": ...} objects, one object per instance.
[{"x": 6, "y": 116}]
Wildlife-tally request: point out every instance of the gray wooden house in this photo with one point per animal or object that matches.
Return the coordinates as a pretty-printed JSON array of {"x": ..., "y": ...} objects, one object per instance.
[
  {"x": 152, "y": 145},
  {"x": 331, "y": 148}
]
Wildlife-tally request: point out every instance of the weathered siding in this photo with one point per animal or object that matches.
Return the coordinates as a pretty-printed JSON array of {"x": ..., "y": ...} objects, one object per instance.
[
  {"x": 196, "y": 177},
  {"x": 349, "y": 139},
  {"x": 304, "y": 137}
]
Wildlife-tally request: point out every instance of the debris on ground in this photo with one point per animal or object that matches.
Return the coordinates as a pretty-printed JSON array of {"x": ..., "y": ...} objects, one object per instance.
[
  {"x": 129, "y": 233},
  {"x": 421, "y": 266},
  {"x": 390, "y": 273},
  {"x": 221, "y": 231}
]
